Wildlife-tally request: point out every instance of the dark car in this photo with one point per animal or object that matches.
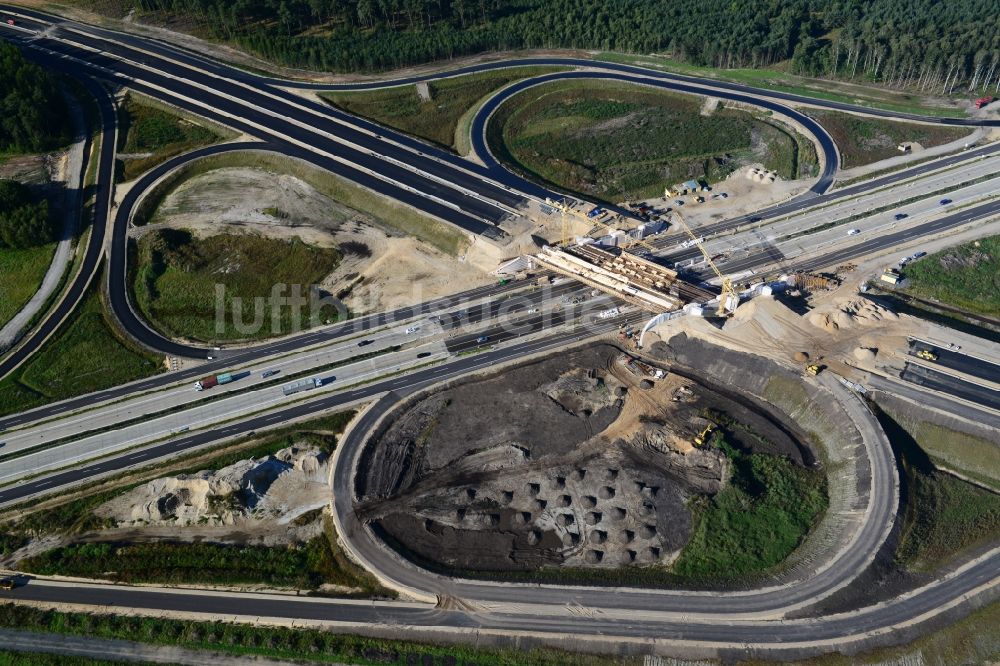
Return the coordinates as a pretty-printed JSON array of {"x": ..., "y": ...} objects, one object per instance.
[
  {"x": 423, "y": 354},
  {"x": 365, "y": 343},
  {"x": 482, "y": 338},
  {"x": 900, "y": 216},
  {"x": 944, "y": 202},
  {"x": 269, "y": 373}
]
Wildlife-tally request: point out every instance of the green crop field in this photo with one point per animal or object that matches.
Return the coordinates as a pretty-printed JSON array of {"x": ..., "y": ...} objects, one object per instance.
[
  {"x": 756, "y": 521},
  {"x": 965, "y": 277},
  {"x": 862, "y": 140},
  {"x": 86, "y": 354},
  {"x": 615, "y": 141},
  {"x": 21, "y": 273},
  {"x": 177, "y": 278},
  {"x": 148, "y": 136},
  {"x": 435, "y": 119}
]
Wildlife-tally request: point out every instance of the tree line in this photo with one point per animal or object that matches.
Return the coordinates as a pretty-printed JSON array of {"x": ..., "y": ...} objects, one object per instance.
[
  {"x": 929, "y": 45},
  {"x": 33, "y": 114}
]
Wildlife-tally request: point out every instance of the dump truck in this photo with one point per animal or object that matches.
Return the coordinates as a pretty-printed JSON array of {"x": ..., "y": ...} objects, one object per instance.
[
  {"x": 814, "y": 369},
  {"x": 302, "y": 385},
  {"x": 927, "y": 355},
  {"x": 214, "y": 380}
]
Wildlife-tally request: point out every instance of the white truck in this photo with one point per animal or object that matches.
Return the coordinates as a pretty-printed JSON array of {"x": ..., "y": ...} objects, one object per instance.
[{"x": 302, "y": 385}]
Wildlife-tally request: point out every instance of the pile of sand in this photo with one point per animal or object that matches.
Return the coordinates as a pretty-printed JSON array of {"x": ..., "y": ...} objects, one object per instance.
[
  {"x": 851, "y": 313},
  {"x": 282, "y": 485}
]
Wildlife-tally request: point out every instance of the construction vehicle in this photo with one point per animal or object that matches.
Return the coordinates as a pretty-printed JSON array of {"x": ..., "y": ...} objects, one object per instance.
[
  {"x": 927, "y": 355},
  {"x": 702, "y": 437},
  {"x": 214, "y": 380},
  {"x": 728, "y": 299},
  {"x": 814, "y": 369}
]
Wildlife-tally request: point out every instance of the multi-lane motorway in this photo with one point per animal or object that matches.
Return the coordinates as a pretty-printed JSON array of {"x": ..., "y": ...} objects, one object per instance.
[{"x": 476, "y": 197}]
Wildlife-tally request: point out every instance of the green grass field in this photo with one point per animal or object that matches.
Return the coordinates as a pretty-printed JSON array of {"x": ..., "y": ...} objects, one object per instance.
[
  {"x": 863, "y": 140},
  {"x": 965, "y": 277},
  {"x": 943, "y": 515},
  {"x": 756, "y": 521},
  {"x": 435, "y": 119},
  {"x": 151, "y": 136},
  {"x": 21, "y": 273},
  {"x": 86, "y": 354},
  {"x": 615, "y": 141},
  {"x": 177, "y": 278}
]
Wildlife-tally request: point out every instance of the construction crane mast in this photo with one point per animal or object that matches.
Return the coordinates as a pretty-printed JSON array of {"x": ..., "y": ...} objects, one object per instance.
[{"x": 728, "y": 300}]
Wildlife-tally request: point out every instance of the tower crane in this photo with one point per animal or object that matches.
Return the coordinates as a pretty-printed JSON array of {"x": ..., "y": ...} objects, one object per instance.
[{"x": 728, "y": 300}]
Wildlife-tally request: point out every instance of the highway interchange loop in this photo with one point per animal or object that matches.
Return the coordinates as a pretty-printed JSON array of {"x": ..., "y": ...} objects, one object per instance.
[{"x": 475, "y": 197}]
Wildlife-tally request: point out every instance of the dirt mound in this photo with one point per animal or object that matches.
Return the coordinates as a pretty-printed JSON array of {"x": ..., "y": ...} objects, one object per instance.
[
  {"x": 851, "y": 313},
  {"x": 281, "y": 485}
]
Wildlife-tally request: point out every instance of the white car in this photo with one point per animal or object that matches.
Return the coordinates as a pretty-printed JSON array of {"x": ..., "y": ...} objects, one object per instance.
[
  {"x": 854, "y": 232},
  {"x": 532, "y": 310},
  {"x": 412, "y": 329}
]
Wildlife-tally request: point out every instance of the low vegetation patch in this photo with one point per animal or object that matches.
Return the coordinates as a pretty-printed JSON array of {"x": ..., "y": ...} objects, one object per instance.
[
  {"x": 755, "y": 522},
  {"x": 304, "y": 566},
  {"x": 282, "y": 642},
  {"x": 862, "y": 140},
  {"x": 21, "y": 273},
  {"x": 436, "y": 118},
  {"x": 944, "y": 516},
  {"x": 966, "y": 277},
  {"x": 616, "y": 141},
  {"x": 149, "y": 136},
  {"x": 179, "y": 279},
  {"x": 86, "y": 354}
]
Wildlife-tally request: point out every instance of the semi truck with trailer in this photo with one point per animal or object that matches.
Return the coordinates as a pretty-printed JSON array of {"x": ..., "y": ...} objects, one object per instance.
[
  {"x": 214, "y": 380},
  {"x": 302, "y": 385}
]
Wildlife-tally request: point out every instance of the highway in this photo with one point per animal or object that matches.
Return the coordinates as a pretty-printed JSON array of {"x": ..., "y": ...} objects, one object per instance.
[
  {"x": 936, "y": 380},
  {"x": 960, "y": 362},
  {"x": 477, "y": 199}
]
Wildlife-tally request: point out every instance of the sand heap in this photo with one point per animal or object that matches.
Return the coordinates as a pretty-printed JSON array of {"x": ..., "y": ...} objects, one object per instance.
[
  {"x": 280, "y": 485},
  {"x": 851, "y": 313}
]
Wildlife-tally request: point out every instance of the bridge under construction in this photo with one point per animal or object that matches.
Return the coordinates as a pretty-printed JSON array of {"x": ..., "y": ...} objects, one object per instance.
[{"x": 633, "y": 279}]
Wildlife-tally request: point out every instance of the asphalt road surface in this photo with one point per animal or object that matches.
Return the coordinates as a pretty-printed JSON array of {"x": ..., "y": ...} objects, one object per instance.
[
  {"x": 939, "y": 381},
  {"x": 954, "y": 360}
]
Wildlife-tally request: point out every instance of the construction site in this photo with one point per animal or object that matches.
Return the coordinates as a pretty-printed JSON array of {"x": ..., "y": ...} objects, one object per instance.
[{"x": 592, "y": 458}]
